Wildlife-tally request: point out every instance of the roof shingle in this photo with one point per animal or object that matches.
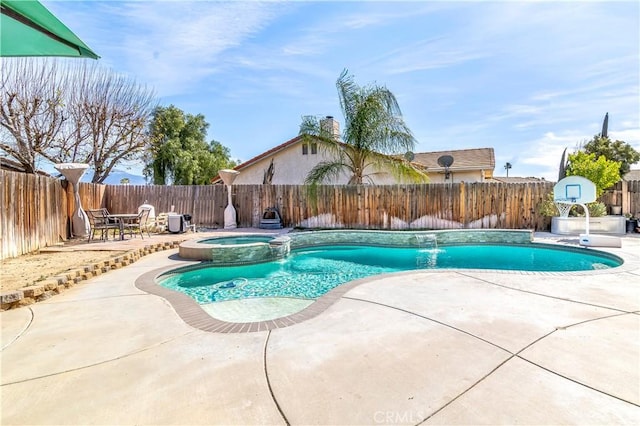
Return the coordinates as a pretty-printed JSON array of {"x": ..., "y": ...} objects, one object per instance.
[{"x": 463, "y": 159}]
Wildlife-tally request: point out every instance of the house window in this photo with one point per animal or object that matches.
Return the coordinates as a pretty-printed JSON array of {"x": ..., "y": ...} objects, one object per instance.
[
  {"x": 305, "y": 149},
  {"x": 314, "y": 148}
]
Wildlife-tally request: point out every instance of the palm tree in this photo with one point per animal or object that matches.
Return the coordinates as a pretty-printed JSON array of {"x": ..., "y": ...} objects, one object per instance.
[
  {"x": 374, "y": 134},
  {"x": 507, "y": 167}
]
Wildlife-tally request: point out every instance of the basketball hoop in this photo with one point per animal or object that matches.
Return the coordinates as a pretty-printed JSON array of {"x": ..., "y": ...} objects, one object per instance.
[{"x": 574, "y": 190}]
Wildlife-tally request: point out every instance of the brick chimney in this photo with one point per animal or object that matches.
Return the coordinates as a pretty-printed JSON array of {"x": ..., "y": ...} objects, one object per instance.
[{"x": 331, "y": 126}]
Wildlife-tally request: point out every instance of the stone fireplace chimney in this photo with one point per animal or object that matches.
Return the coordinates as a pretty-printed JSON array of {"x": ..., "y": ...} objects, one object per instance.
[{"x": 331, "y": 126}]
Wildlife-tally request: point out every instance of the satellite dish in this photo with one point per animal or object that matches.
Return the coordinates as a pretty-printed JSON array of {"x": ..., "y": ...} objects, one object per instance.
[
  {"x": 445, "y": 161},
  {"x": 409, "y": 156}
]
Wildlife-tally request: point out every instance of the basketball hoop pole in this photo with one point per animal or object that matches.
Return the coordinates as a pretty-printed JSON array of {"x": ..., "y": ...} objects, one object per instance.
[{"x": 586, "y": 214}]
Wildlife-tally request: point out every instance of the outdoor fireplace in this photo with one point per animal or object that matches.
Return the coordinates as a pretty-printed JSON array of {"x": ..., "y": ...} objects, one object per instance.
[{"x": 271, "y": 219}]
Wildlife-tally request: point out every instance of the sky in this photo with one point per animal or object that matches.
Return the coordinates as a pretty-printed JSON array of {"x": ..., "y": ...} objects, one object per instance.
[{"x": 528, "y": 79}]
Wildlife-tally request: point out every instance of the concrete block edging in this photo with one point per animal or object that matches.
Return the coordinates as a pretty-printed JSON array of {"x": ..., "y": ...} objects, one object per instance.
[{"x": 51, "y": 286}]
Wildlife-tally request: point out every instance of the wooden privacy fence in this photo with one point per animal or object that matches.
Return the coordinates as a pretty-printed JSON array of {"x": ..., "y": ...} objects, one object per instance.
[
  {"x": 34, "y": 213},
  {"x": 625, "y": 194},
  {"x": 441, "y": 206},
  {"x": 36, "y": 209},
  {"x": 633, "y": 197}
]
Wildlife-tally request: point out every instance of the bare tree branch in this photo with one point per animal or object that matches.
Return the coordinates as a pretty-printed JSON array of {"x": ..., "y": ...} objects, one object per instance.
[
  {"x": 80, "y": 112},
  {"x": 32, "y": 111}
]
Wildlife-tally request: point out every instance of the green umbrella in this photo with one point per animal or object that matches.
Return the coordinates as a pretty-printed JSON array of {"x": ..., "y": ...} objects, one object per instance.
[{"x": 27, "y": 28}]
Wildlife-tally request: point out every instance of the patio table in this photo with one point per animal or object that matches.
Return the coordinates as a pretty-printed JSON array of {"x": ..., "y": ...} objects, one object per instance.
[{"x": 122, "y": 218}]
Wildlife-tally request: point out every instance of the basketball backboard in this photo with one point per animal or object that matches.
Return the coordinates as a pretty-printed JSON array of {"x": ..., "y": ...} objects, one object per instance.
[{"x": 575, "y": 190}]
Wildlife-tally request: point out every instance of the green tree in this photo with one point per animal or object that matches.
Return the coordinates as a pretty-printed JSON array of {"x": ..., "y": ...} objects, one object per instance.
[
  {"x": 210, "y": 160},
  {"x": 374, "y": 133},
  {"x": 601, "y": 171},
  {"x": 617, "y": 150},
  {"x": 179, "y": 153}
]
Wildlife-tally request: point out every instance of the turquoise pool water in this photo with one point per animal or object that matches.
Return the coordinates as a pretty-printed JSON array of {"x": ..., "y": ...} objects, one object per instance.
[
  {"x": 311, "y": 272},
  {"x": 245, "y": 239}
]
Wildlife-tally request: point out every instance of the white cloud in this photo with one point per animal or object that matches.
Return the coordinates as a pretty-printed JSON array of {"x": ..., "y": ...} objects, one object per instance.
[
  {"x": 527, "y": 78},
  {"x": 429, "y": 59},
  {"x": 544, "y": 153},
  {"x": 173, "y": 45},
  {"x": 628, "y": 135}
]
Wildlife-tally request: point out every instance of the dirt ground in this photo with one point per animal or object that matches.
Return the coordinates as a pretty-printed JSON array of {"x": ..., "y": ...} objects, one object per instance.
[{"x": 28, "y": 269}]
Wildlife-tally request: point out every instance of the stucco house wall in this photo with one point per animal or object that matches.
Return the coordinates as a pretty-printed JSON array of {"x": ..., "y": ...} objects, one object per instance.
[
  {"x": 291, "y": 166},
  {"x": 458, "y": 176}
]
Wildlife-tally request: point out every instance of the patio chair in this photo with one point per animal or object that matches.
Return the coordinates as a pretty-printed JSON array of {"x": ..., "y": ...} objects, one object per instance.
[
  {"x": 139, "y": 224},
  {"x": 99, "y": 221}
]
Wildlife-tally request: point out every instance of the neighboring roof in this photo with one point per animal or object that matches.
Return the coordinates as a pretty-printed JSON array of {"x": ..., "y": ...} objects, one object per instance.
[
  {"x": 14, "y": 166},
  {"x": 266, "y": 154},
  {"x": 510, "y": 179},
  {"x": 10, "y": 165},
  {"x": 632, "y": 175},
  {"x": 463, "y": 159}
]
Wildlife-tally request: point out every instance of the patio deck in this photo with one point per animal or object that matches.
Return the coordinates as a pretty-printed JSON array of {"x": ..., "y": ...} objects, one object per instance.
[{"x": 423, "y": 347}]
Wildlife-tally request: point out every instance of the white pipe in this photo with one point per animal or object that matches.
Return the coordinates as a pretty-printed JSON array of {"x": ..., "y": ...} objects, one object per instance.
[{"x": 586, "y": 214}]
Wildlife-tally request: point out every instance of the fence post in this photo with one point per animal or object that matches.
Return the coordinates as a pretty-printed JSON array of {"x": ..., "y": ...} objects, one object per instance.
[
  {"x": 626, "y": 207},
  {"x": 463, "y": 208}
]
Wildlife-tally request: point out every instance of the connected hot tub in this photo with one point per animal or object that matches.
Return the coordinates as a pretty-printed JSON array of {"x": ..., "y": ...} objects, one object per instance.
[{"x": 237, "y": 250}]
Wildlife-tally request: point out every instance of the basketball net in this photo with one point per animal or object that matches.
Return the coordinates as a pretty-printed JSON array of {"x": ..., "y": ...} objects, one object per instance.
[{"x": 564, "y": 207}]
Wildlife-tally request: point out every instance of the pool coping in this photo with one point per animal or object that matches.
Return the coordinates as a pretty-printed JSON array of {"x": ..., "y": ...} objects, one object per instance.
[{"x": 194, "y": 315}]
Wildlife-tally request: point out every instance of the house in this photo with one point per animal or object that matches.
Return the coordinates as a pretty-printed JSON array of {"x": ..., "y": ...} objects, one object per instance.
[
  {"x": 290, "y": 162},
  {"x": 469, "y": 165},
  {"x": 287, "y": 164}
]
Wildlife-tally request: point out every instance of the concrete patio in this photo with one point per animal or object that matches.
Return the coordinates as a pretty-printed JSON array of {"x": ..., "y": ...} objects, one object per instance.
[{"x": 426, "y": 347}]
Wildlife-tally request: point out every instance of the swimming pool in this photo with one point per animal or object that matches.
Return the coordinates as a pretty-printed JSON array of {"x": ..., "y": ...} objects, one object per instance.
[{"x": 310, "y": 272}]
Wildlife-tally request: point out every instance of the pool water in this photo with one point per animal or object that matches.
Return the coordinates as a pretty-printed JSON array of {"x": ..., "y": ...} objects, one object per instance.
[
  {"x": 245, "y": 239},
  {"x": 310, "y": 273}
]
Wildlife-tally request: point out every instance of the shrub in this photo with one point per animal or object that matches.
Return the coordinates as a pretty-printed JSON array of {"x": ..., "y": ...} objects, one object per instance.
[
  {"x": 547, "y": 207},
  {"x": 602, "y": 172},
  {"x": 596, "y": 209}
]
